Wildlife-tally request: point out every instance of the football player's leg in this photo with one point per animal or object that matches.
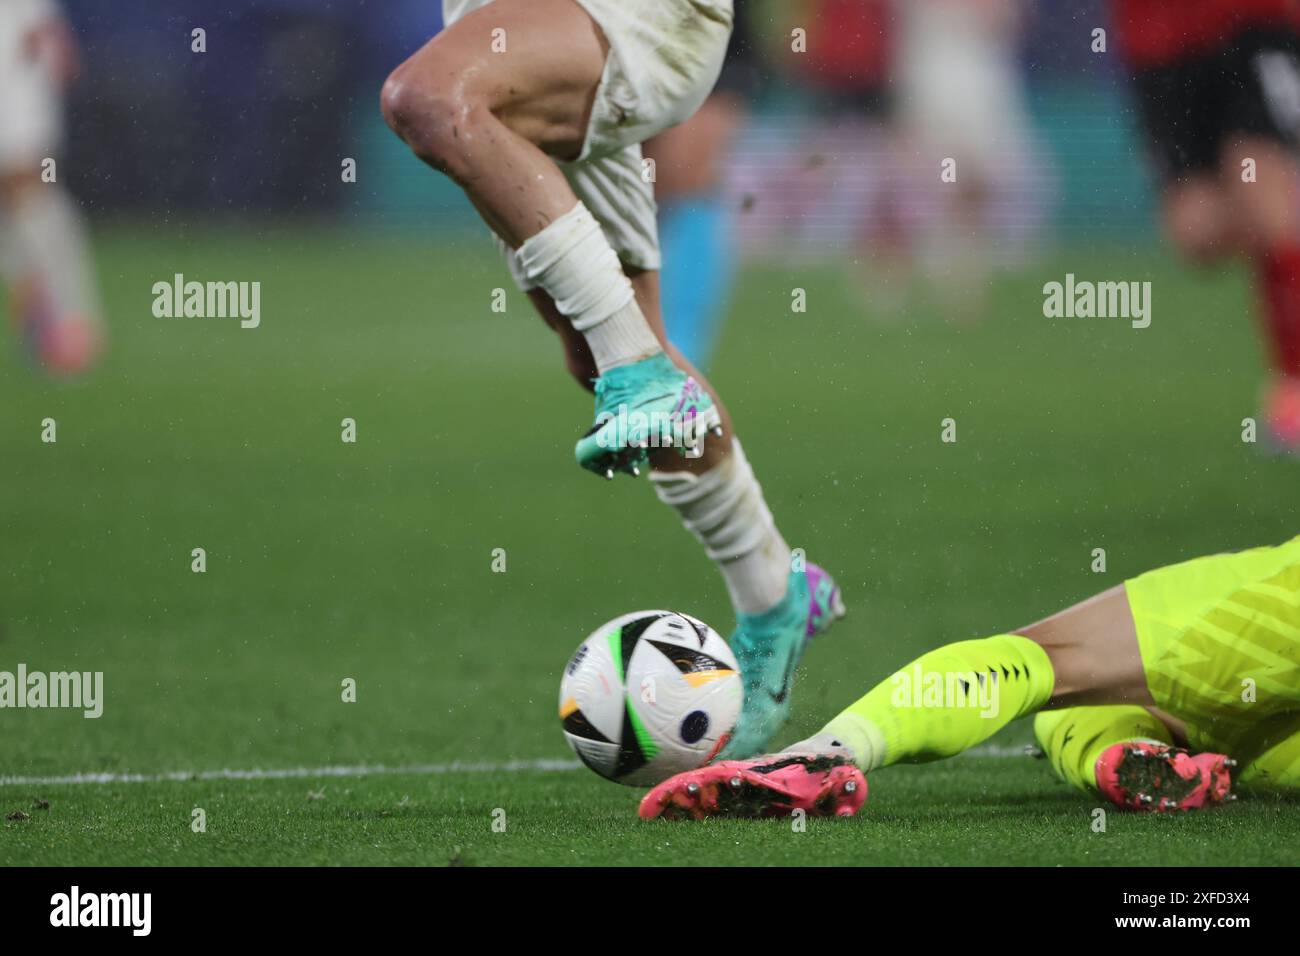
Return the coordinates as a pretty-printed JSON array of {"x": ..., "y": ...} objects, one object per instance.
[
  {"x": 1266, "y": 216},
  {"x": 1073, "y": 738},
  {"x": 1209, "y": 643},
  {"x": 659, "y": 402},
  {"x": 1131, "y": 757},
  {"x": 1195, "y": 219},
  {"x": 1260, "y": 174},
  {"x": 489, "y": 103},
  {"x": 1272, "y": 761},
  {"x": 944, "y": 702},
  {"x": 695, "y": 224},
  {"x": 49, "y": 271},
  {"x": 1219, "y": 639},
  {"x": 715, "y": 494},
  {"x": 582, "y": 366},
  {"x": 44, "y": 255},
  {"x": 1222, "y": 127},
  {"x": 780, "y": 603},
  {"x": 958, "y": 696},
  {"x": 698, "y": 229}
]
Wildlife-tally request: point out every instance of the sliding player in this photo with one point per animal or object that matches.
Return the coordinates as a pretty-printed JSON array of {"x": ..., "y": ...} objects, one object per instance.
[
  {"x": 44, "y": 259},
  {"x": 1218, "y": 85},
  {"x": 537, "y": 109},
  {"x": 1142, "y": 690}
]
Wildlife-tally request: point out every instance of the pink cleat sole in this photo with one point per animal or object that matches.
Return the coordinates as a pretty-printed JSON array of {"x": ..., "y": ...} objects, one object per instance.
[
  {"x": 1137, "y": 775},
  {"x": 821, "y": 785}
]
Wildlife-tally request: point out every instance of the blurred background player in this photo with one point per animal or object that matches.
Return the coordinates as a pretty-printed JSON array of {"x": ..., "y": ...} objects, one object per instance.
[
  {"x": 959, "y": 95},
  {"x": 847, "y": 168},
  {"x": 1218, "y": 87},
  {"x": 44, "y": 258},
  {"x": 696, "y": 219},
  {"x": 842, "y": 161},
  {"x": 548, "y": 149},
  {"x": 1202, "y": 655}
]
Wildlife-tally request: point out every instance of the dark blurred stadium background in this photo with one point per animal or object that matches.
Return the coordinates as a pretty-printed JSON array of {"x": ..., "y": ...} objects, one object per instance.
[{"x": 260, "y": 123}]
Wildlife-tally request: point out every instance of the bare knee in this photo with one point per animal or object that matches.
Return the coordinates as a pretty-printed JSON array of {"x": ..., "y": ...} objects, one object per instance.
[
  {"x": 1264, "y": 202},
  {"x": 429, "y": 115},
  {"x": 1094, "y": 652},
  {"x": 1195, "y": 223}
]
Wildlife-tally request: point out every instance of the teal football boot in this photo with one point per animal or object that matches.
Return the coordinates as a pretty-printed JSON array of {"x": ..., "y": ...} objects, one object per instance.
[
  {"x": 648, "y": 404},
  {"x": 769, "y": 646}
]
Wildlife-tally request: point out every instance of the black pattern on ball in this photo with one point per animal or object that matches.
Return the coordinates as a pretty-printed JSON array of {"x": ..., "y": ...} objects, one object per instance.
[{"x": 694, "y": 726}]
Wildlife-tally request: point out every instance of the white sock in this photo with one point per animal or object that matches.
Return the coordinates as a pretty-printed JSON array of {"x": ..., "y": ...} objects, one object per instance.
[
  {"x": 574, "y": 263},
  {"x": 47, "y": 241},
  {"x": 724, "y": 509}
]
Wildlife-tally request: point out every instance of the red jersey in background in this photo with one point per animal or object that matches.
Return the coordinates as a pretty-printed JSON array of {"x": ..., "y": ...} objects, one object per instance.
[{"x": 1156, "y": 32}]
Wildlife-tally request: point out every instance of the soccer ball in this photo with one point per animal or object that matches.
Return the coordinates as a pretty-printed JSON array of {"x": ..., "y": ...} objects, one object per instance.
[{"x": 648, "y": 695}]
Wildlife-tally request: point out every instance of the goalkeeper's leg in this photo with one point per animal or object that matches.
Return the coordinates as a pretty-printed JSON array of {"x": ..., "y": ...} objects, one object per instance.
[
  {"x": 1274, "y": 761},
  {"x": 1129, "y": 756},
  {"x": 944, "y": 702},
  {"x": 1213, "y": 642},
  {"x": 1214, "y": 639},
  {"x": 953, "y": 698}
]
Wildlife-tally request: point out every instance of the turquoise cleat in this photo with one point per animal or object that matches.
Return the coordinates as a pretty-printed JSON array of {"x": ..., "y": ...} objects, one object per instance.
[
  {"x": 769, "y": 646},
  {"x": 648, "y": 404}
]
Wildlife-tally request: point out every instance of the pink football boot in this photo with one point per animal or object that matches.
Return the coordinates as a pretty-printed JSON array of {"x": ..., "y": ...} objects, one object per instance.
[
  {"x": 64, "y": 345},
  {"x": 1138, "y": 775},
  {"x": 822, "y": 785}
]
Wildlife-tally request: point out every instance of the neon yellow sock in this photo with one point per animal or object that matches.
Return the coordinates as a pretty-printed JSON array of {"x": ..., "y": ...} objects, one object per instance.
[
  {"x": 1273, "y": 760},
  {"x": 1075, "y": 737},
  {"x": 945, "y": 701}
]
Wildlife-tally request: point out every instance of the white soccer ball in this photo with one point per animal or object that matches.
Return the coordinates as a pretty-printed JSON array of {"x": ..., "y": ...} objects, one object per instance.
[{"x": 648, "y": 695}]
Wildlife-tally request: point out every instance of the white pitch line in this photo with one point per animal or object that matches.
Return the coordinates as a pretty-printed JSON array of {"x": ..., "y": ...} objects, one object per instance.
[
  {"x": 998, "y": 750},
  {"x": 357, "y": 770},
  {"x": 293, "y": 773}
]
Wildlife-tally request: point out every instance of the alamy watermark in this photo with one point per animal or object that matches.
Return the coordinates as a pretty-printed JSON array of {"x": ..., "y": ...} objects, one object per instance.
[
  {"x": 133, "y": 911},
  {"x": 179, "y": 299},
  {"x": 946, "y": 689},
  {"x": 651, "y": 430},
  {"x": 77, "y": 690},
  {"x": 1083, "y": 299}
]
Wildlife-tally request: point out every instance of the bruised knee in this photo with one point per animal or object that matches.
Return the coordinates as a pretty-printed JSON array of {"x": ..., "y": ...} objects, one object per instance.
[{"x": 430, "y": 115}]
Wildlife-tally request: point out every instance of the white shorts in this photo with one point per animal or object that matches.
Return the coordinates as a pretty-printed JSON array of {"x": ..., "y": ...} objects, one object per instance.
[
  {"x": 958, "y": 88},
  {"x": 642, "y": 92},
  {"x": 30, "y": 119}
]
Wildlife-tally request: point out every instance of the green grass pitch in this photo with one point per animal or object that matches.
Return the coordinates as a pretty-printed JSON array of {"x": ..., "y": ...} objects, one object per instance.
[{"x": 373, "y": 561}]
